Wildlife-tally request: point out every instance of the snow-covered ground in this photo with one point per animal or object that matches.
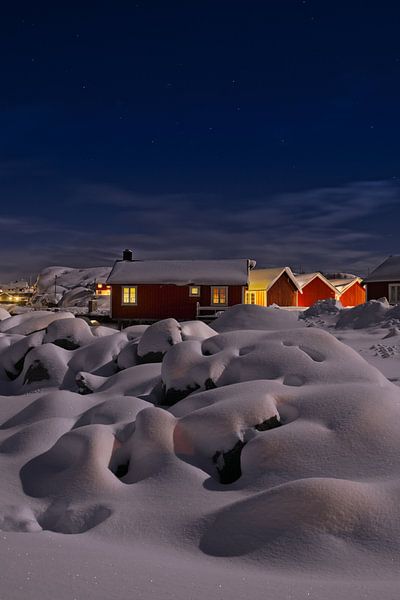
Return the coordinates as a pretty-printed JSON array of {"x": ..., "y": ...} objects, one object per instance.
[
  {"x": 257, "y": 458},
  {"x": 372, "y": 329}
]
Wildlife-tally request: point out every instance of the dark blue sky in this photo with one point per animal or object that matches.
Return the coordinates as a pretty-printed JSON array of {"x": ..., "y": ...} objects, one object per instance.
[{"x": 214, "y": 128}]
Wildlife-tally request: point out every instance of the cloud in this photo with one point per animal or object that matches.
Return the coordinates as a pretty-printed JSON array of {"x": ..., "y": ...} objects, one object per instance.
[{"x": 319, "y": 229}]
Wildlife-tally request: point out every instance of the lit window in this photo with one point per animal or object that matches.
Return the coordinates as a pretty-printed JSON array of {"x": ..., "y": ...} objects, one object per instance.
[
  {"x": 129, "y": 295},
  {"x": 219, "y": 295},
  {"x": 194, "y": 290},
  {"x": 103, "y": 290}
]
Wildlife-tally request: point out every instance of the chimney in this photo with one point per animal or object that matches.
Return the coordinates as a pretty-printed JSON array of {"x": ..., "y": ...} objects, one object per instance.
[{"x": 127, "y": 255}]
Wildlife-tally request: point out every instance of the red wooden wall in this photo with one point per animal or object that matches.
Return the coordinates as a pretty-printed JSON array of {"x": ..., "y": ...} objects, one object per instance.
[
  {"x": 379, "y": 289},
  {"x": 163, "y": 301},
  {"x": 313, "y": 291},
  {"x": 283, "y": 292},
  {"x": 354, "y": 295}
]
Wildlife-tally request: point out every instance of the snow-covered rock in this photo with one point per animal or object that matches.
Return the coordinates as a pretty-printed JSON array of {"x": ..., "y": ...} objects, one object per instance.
[
  {"x": 29, "y": 322},
  {"x": 69, "y": 333},
  {"x": 370, "y": 314},
  {"x": 251, "y": 316},
  {"x": 329, "y": 306},
  {"x": 68, "y": 287},
  {"x": 279, "y": 460},
  {"x": 159, "y": 337}
]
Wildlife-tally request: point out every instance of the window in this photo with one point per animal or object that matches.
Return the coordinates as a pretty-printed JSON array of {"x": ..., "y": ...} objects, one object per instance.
[
  {"x": 129, "y": 295},
  {"x": 103, "y": 290},
  {"x": 194, "y": 290},
  {"x": 219, "y": 295},
  {"x": 394, "y": 293}
]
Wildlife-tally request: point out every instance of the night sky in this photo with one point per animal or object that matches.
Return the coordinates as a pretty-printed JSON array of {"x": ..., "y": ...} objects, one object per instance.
[{"x": 267, "y": 129}]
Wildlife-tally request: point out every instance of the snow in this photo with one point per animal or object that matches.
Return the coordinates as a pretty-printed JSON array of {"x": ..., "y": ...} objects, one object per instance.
[
  {"x": 256, "y": 458},
  {"x": 68, "y": 287},
  {"x": 251, "y": 316},
  {"x": 343, "y": 284},
  {"x": 159, "y": 337},
  {"x": 328, "y": 306},
  {"x": 28, "y": 322},
  {"x": 304, "y": 279},
  {"x": 182, "y": 272},
  {"x": 4, "y": 314},
  {"x": 264, "y": 279}
]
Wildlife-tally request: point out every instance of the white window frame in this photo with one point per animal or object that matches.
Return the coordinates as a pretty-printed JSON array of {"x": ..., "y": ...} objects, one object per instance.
[
  {"x": 191, "y": 294},
  {"x": 392, "y": 292},
  {"x": 129, "y": 287},
  {"x": 219, "y": 287}
]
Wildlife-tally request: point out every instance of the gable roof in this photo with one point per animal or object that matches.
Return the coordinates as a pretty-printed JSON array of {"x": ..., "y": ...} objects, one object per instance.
[
  {"x": 182, "y": 272},
  {"x": 305, "y": 278},
  {"x": 264, "y": 279},
  {"x": 389, "y": 270},
  {"x": 342, "y": 285}
]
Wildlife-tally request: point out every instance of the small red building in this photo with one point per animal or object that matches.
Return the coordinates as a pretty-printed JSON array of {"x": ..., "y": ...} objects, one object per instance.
[
  {"x": 350, "y": 291},
  {"x": 272, "y": 286},
  {"x": 182, "y": 289},
  {"x": 384, "y": 281},
  {"x": 314, "y": 287}
]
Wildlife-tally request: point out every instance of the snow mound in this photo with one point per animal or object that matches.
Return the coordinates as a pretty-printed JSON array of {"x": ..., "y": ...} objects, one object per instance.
[
  {"x": 300, "y": 512},
  {"x": 329, "y": 306},
  {"x": 31, "y": 321},
  {"x": 69, "y": 333},
  {"x": 249, "y": 316},
  {"x": 12, "y": 359},
  {"x": 101, "y": 356},
  {"x": 295, "y": 357},
  {"x": 44, "y": 366},
  {"x": 372, "y": 313},
  {"x": 242, "y": 454},
  {"x": 159, "y": 337}
]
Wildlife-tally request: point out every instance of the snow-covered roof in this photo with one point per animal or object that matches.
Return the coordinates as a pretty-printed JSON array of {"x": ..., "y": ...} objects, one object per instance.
[
  {"x": 264, "y": 279},
  {"x": 389, "y": 270},
  {"x": 304, "y": 279},
  {"x": 343, "y": 284},
  {"x": 182, "y": 272}
]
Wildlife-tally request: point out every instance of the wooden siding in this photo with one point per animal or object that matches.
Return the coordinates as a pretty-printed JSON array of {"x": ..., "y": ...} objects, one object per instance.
[
  {"x": 283, "y": 292},
  {"x": 354, "y": 295},
  {"x": 314, "y": 291},
  {"x": 379, "y": 289},
  {"x": 163, "y": 301},
  {"x": 258, "y": 297}
]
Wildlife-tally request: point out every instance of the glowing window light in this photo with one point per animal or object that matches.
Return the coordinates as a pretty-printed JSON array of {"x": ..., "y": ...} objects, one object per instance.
[
  {"x": 129, "y": 295},
  {"x": 219, "y": 295}
]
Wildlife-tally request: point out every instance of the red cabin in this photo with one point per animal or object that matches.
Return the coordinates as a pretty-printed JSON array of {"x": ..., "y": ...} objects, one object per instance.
[
  {"x": 351, "y": 291},
  {"x": 314, "y": 287},
  {"x": 183, "y": 289}
]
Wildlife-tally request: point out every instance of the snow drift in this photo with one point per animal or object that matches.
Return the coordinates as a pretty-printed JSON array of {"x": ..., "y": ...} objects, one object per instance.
[{"x": 197, "y": 461}]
